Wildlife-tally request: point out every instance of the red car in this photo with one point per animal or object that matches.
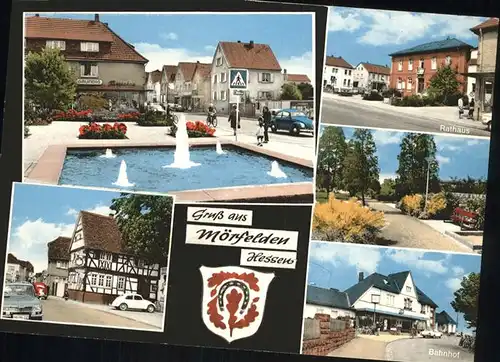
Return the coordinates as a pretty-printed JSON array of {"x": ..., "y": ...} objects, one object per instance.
[{"x": 41, "y": 290}]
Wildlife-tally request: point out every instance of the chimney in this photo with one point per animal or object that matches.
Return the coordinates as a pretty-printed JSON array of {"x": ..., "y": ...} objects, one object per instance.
[
  {"x": 96, "y": 18},
  {"x": 361, "y": 276}
]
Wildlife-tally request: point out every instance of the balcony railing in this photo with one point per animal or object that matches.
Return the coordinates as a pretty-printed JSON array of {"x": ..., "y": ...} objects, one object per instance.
[{"x": 420, "y": 71}]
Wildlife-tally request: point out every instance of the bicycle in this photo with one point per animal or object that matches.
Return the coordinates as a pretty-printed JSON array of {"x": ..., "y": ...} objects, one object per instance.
[
  {"x": 212, "y": 120},
  {"x": 174, "y": 118}
]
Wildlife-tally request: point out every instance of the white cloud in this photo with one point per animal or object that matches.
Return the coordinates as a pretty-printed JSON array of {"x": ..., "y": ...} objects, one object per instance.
[
  {"x": 72, "y": 212},
  {"x": 386, "y": 176},
  {"x": 458, "y": 270},
  {"x": 364, "y": 259},
  {"x": 453, "y": 284},
  {"x": 416, "y": 260},
  {"x": 169, "y": 36},
  {"x": 210, "y": 48},
  {"x": 302, "y": 64},
  {"x": 382, "y": 27},
  {"x": 101, "y": 210},
  {"x": 29, "y": 240},
  {"x": 442, "y": 159},
  {"x": 387, "y": 137}
]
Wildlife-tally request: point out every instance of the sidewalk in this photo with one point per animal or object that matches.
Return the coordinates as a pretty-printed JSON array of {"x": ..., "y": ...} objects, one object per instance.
[
  {"x": 448, "y": 114},
  {"x": 153, "y": 319}
]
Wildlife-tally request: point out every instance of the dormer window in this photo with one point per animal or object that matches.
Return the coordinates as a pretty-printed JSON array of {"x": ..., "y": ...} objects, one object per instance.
[
  {"x": 89, "y": 47},
  {"x": 55, "y": 44}
]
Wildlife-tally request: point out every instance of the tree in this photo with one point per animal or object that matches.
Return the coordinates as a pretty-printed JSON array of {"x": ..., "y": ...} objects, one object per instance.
[
  {"x": 388, "y": 188},
  {"x": 307, "y": 90},
  {"x": 444, "y": 83},
  {"x": 290, "y": 92},
  {"x": 49, "y": 81},
  {"x": 466, "y": 299},
  {"x": 331, "y": 154},
  {"x": 417, "y": 156},
  {"x": 145, "y": 223},
  {"x": 361, "y": 163}
]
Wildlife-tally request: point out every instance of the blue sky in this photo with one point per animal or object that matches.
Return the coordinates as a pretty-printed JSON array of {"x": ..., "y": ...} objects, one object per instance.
[
  {"x": 170, "y": 38},
  {"x": 336, "y": 265},
  {"x": 451, "y": 153},
  {"x": 363, "y": 35},
  {"x": 42, "y": 213}
]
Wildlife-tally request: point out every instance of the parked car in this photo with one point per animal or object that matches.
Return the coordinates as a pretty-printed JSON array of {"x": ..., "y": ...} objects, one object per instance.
[
  {"x": 176, "y": 107},
  {"x": 429, "y": 333},
  {"x": 156, "y": 107},
  {"x": 293, "y": 121},
  {"x": 133, "y": 301},
  {"x": 41, "y": 290},
  {"x": 274, "y": 111},
  {"x": 21, "y": 303},
  {"x": 487, "y": 121}
]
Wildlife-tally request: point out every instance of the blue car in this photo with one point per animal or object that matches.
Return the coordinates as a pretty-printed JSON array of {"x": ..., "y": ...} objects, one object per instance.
[{"x": 293, "y": 121}]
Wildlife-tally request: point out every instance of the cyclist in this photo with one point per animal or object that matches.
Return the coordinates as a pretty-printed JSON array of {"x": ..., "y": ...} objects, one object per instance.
[{"x": 212, "y": 113}]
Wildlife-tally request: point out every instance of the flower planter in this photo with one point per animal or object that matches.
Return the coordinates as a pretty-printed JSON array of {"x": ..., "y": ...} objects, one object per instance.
[
  {"x": 106, "y": 131},
  {"x": 196, "y": 129}
]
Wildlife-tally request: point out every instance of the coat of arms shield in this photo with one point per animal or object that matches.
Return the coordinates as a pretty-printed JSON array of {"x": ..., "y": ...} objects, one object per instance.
[{"x": 233, "y": 300}]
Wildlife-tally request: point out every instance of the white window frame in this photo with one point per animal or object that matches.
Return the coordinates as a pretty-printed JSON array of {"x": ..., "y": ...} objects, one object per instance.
[
  {"x": 223, "y": 77},
  {"x": 94, "y": 70},
  {"x": 121, "y": 280},
  {"x": 218, "y": 62},
  {"x": 410, "y": 64},
  {"x": 223, "y": 95},
  {"x": 109, "y": 281},
  {"x": 266, "y": 93},
  {"x": 421, "y": 63},
  {"x": 100, "y": 280},
  {"x": 409, "y": 84},
  {"x": 93, "y": 279},
  {"x": 433, "y": 63},
  {"x": 215, "y": 78},
  {"x": 89, "y": 47},
  {"x": 448, "y": 60},
  {"x": 214, "y": 96},
  {"x": 408, "y": 289},
  {"x": 106, "y": 256},
  {"x": 400, "y": 65},
  {"x": 56, "y": 44},
  {"x": 264, "y": 76}
]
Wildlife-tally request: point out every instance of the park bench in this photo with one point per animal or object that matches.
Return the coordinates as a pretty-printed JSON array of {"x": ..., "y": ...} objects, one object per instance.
[{"x": 465, "y": 219}]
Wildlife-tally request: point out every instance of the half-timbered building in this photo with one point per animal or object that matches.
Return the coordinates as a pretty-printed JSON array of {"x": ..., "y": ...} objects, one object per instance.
[{"x": 101, "y": 268}]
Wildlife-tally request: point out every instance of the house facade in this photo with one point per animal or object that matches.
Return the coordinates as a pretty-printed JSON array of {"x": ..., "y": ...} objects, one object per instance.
[
  {"x": 413, "y": 68},
  {"x": 327, "y": 301},
  {"x": 296, "y": 78},
  {"x": 18, "y": 270},
  {"x": 472, "y": 69},
  {"x": 100, "y": 268},
  {"x": 368, "y": 76},
  {"x": 103, "y": 62},
  {"x": 487, "y": 33},
  {"x": 265, "y": 79},
  {"x": 56, "y": 276},
  {"x": 183, "y": 86},
  {"x": 393, "y": 300},
  {"x": 338, "y": 74},
  {"x": 445, "y": 323},
  {"x": 167, "y": 84},
  {"x": 153, "y": 87},
  {"x": 201, "y": 87}
]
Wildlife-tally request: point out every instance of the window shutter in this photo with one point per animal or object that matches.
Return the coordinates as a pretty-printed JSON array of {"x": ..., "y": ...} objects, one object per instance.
[
  {"x": 260, "y": 77},
  {"x": 82, "y": 69},
  {"x": 83, "y": 46},
  {"x": 271, "y": 78},
  {"x": 94, "y": 70}
]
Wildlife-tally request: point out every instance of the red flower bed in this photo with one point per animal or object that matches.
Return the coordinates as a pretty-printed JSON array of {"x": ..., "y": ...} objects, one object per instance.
[
  {"x": 106, "y": 131},
  {"x": 195, "y": 129},
  {"x": 73, "y": 115},
  {"x": 133, "y": 116},
  {"x": 95, "y": 116}
]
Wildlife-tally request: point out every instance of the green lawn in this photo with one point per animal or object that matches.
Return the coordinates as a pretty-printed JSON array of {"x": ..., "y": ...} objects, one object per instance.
[{"x": 322, "y": 198}]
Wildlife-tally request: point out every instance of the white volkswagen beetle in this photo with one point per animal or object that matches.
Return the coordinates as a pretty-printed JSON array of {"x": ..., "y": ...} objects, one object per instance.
[
  {"x": 431, "y": 334},
  {"x": 133, "y": 301}
]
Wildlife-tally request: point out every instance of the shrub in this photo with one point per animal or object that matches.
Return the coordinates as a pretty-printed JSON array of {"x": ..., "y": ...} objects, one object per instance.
[
  {"x": 195, "y": 129},
  {"x": 477, "y": 205},
  {"x": 412, "y": 205},
  {"x": 154, "y": 118},
  {"x": 392, "y": 92},
  {"x": 106, "y": 131},
  {"x": 373, "y": 96},
  {"x": 436, "y": 204},
  {"x": 89, "y": 115},
  {"x": 92, "y": 101},
  {"x": 346, "y": 221}
]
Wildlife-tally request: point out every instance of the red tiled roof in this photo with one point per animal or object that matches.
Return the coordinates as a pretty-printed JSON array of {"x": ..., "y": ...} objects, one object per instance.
[
  {"x": 59, "y": 248},
  {"x": 332, "y": 61},
  {"x": 101, "y": 232},
  {"x": 299, "y": 78},
  {"x": 490, "y": 23},
  {"x": 170, "y": 71},
  {"x": 203, "y": 69},
  {"x": 187, "y": 70},
  {"x": 250, "y": 56},
  {"x": 11, "y": 259},
  {"x": 82, "y": 30},
  {"x": 155, "y": 76},
  {"x": 377, "y": 69}
]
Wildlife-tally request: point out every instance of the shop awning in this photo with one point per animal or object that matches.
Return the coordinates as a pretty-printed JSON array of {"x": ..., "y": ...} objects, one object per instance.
[{"x": 393, "y": 314}]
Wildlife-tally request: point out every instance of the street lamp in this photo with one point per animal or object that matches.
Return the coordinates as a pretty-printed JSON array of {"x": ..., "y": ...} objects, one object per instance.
[
  {"x": 429, "y": 160},
  {"x": 375, "y": 301}
]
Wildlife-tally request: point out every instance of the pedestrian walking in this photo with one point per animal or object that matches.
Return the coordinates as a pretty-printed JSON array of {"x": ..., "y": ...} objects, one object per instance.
[
  {"x": 266, "y": 115},
  {"x": 460, "y": 107},
  {"x": 234, "y": 119},
  {"x": 471, "y": 108},
  {"x": 260, "y": 132}
]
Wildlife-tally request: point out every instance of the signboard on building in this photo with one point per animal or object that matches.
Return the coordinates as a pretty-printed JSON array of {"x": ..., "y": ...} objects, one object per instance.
[
  {"x": 89, "y": 81},
  {"x": 238, "y": 79}
]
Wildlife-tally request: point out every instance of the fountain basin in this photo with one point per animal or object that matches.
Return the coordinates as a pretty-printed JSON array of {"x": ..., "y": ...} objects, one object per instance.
[{"x": 241, "y": 174}]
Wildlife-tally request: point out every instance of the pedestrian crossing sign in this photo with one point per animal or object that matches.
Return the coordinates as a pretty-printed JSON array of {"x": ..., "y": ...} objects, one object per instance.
[{"x": 238, "y": 78}]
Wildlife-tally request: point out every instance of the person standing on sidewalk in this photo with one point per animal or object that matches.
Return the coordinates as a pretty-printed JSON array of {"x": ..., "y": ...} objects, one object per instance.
[
  {"x": 266, "y": 115},
  {"x": 234, "y": 119},
  {"x": 460, "y": 107}
]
